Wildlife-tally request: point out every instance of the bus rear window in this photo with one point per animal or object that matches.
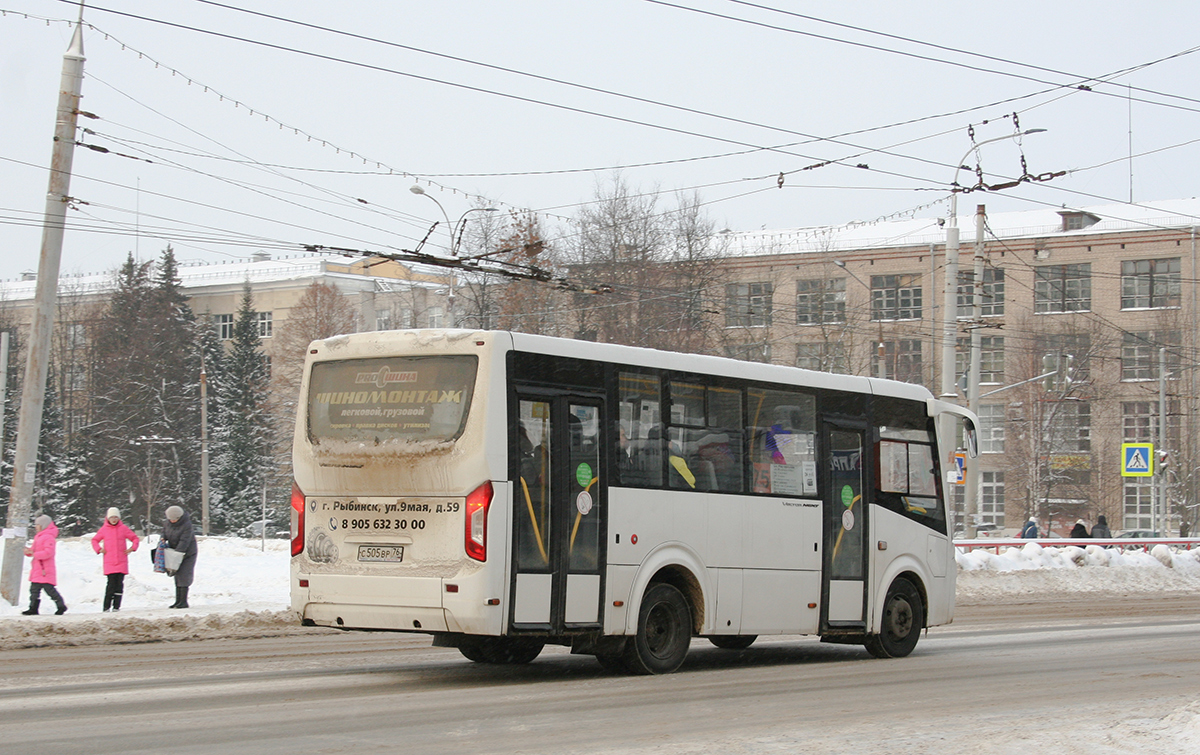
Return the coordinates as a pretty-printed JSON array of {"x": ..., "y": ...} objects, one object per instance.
[{"x": 391, "y": 399}]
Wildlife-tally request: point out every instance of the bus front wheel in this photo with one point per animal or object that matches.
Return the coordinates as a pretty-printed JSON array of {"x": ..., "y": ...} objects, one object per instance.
[
  {"x": 903, "y": 619},
  {"x": 663, "y": 634}
]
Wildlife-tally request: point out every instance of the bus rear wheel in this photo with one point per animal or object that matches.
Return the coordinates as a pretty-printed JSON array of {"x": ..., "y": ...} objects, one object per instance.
[
  {"x": 663, "y": 634},
  {"x": 501, "y": 650},
  {"x": 903, "y": 619},
  {"x": 733, "y": 641}
]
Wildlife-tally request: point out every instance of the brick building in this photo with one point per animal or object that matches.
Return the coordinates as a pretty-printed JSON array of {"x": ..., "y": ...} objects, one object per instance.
[{"x": 1113, "y": 287}]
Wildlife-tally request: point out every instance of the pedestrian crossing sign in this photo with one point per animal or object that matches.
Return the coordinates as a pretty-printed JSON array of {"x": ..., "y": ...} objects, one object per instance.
[{"x": 1137, "y": 459}]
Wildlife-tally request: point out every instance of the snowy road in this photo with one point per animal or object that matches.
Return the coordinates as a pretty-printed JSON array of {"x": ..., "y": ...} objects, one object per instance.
[{"x": 1071, "y": 675}]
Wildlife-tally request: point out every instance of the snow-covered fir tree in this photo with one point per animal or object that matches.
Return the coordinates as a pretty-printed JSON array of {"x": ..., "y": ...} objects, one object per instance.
[{"x": 242, "y": 433}]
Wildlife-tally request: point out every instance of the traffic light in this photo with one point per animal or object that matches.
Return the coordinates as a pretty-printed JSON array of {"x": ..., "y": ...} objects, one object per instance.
[
  {"x": 1050, "y": 365},
  {"x": 1066, "y": 369}
]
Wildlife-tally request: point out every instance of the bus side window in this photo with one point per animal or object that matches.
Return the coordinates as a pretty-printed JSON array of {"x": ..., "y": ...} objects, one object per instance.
[{"x": 640, "y": 458}]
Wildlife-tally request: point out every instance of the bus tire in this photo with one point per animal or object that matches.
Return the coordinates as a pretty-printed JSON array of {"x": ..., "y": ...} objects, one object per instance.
[
  {"x": 472, "y": 650},
  {"x": 614, "y": 662},
  {"x": 733, "y": 641},
  {"x": 903, "y": 619},
  {"x": 511, "y": 651},
  {"x": 663, "y": 634}
]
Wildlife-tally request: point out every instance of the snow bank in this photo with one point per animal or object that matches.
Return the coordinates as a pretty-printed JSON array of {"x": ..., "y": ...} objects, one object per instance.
[
  {"x": 240, "y": 590},
  {"x": 1035, "y": 570}
]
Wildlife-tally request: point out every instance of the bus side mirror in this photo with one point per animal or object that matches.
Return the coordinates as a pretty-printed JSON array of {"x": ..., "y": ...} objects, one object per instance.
[{"x": 971, "y": 438}]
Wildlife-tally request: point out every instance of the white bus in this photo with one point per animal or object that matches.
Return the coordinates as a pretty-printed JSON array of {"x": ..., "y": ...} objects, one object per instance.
[{"x": 502, "y": 491}]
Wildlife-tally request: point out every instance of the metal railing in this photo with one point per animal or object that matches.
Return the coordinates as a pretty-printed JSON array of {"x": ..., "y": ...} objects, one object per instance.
[{"x": 1125, "y": 543}]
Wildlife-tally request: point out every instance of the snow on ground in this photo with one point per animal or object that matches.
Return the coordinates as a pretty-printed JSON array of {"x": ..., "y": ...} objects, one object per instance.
[{"x": 241, "y": 589}]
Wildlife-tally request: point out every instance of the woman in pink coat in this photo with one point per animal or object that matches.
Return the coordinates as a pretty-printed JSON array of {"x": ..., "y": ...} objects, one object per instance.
[
  {"x": 110, "y": 540},
  {"x": 42, "y": 574}
]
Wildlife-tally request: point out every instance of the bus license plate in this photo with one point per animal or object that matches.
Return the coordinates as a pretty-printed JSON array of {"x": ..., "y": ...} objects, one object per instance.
[{"x": 393, "y": 553}]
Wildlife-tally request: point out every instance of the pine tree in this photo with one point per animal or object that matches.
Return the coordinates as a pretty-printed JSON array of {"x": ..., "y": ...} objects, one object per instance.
[{"x": 242, "y": 434}]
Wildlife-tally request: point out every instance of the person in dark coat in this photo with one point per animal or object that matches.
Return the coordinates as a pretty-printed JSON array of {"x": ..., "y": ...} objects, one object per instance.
[
  {"x": 179, "y": 536},
  {"x": 1101, "y": 529},
  {"x": 1030, "y": 530},
  {"x": 1080, "y": 529}
]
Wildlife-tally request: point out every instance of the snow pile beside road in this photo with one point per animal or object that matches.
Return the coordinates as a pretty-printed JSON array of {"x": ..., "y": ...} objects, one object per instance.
[
  {"x": 241, "y": 590},
  {"x": 229, "y": 570},
  {"x": 1036, "y": 570}
]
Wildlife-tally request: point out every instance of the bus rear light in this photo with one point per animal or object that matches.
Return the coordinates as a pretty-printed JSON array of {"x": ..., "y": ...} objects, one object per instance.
[
  {"x": 297, "y": 520},
  {"x": 475, "y": 536}
]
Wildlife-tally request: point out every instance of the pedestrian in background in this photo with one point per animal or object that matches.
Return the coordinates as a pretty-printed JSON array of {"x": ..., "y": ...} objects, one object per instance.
[
  {"x": 1080, "y": 529},
  {"x": 1030, "y": 529},
  {"x": 1101, "y": 529},
  {"x": 42, "y": 573},
  {"x": 110, "y": 541},
  {"x": 179, "y": 536}
]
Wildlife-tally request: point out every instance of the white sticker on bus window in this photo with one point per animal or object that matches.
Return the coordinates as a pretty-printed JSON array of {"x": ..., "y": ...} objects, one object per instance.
[
  {"x": 583, "y": 502},
  {"x": 785, "y": 480},
  {"x": 848, "y": 520},
  {"x": 808, "y": 473}
]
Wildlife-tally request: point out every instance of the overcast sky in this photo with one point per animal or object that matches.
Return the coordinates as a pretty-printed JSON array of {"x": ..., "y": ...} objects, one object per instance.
[{"x": 270, "y": 133}]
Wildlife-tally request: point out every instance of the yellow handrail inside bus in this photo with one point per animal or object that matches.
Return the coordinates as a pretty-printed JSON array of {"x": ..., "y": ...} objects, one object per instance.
[
  {"x": 838, "y": 544},
  {"x": 533, "y": 519},
  {"x": 578, "y": 517}
]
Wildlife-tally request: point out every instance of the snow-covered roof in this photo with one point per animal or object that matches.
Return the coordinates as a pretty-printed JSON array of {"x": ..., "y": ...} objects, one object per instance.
[
  {"x": 886, "y": 233},
  {"x": 200, "y": 274}
]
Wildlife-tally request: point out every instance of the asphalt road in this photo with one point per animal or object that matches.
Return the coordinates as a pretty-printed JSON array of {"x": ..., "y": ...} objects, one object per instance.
[{"x": 1079, "y": 674}]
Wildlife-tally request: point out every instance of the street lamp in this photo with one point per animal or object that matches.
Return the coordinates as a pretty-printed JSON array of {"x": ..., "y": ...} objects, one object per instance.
[
  {"x": 456, "y": 232},
  {"x": 950, "y": 307}
]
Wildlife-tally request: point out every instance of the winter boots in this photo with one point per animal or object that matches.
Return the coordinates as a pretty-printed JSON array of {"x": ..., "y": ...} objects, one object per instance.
[
  {"x": 35, "y": 599},
  {"x": 180, "y": 598}
]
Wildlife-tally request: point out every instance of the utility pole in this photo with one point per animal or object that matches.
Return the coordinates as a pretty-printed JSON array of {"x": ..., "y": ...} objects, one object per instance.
[
  {"x": 1162, "y": 519},
  {"x": 971, "y": 504},
  {"x": 950, "y": 332},
  {"x": 29, "y": 424}
]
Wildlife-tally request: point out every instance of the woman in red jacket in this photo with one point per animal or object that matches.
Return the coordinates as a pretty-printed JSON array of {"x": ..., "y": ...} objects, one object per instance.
[
  {"x": 42, "y": 574},
  {"x": 110, "y": 541}
]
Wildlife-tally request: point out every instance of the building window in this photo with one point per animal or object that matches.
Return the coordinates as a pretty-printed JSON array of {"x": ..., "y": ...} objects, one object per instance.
[
  {"x": 991, "y": 428},
  {"x": 265, "y": 324},
  {"x": 991, "y": 497},
  {"x": 820, "y": 301},
  {"x": 824, "y": 357},
  {"x": 896, "y": 297},
  {"x": 991, "y": 358},
  {"x": 1139, "y": 354},
  {"x": 383, "y": 319},
  {"x": 900, "y": 360},
  {"x": 1139, "y": 422},
  {"x": 436, "y": 317},
  {"x": 225, "y": 327},
  {"x": 76, "y": 336},
  {"x": 1150, "y": 284},
  {"x": 1062, "y": 288},
  {"x": 1138, "y": 505},
  {"x": 1070, "y": 429},
  {"x": 993, "y": 293},
  {"x": 749, "y": 352},
  {"x": 748, "y": 305}
]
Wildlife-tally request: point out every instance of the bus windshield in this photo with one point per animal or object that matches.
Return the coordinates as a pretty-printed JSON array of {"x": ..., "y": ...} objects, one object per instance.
[{"x": 395, "y": 399}]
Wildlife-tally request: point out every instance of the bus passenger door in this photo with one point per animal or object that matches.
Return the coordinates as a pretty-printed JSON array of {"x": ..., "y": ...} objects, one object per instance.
[
  {"x": 558, "y": 513},
  {"x": 843, "y": 583}
]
